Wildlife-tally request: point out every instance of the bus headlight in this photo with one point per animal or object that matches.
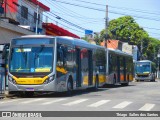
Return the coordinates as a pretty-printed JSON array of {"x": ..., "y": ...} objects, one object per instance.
[
  {"x": 11, "y": 80},
  {"x": 50, "y": 79}
]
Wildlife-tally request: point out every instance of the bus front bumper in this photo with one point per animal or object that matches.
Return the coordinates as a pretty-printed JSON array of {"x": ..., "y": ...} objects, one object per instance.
[
  {"x": 143, "y": 78},
  {"x": 43, "y": 87}
]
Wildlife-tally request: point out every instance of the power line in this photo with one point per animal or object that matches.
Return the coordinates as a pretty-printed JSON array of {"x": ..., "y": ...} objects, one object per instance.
[
  {"x": 89, "y": 2},
  {"x": 102, "y": 10},
  {"x": 72, "y": 12},
  {"x": 66, "y": 21},
  {"x": 67, "y": 26},
  {"x": 55, "y": 20},
  {"x": 135, "y": 10},
  {"x": 74, "y": 15},
  {"x": 151, "y": 28},
  {"x": 154, "y": 33},
  {"x": 41, "y": 20},
  {"x": 65, "y": 11},
  {"x": 81, "y": 6},
  {"x": 122, "y": 8}
]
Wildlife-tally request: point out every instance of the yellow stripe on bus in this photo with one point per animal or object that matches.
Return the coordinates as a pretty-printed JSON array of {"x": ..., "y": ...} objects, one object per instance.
[
  {"x": 30, "y": 81},
  {"x": 102, "y": 79}
]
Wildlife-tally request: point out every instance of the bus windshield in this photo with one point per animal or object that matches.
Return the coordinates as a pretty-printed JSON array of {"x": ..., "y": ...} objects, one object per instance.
[
  {"x": 31, "y": 59},
  {"x": 143, "y": 67}
]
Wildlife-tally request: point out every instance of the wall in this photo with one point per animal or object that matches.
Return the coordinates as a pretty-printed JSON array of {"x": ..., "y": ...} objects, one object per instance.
[
  {"x": 14, "y": 12},
  {"x": 31, "y": 9},
  {"x": 9, "y": 31}
]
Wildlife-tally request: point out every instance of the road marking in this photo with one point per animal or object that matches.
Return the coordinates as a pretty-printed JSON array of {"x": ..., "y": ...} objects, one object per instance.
[
  {"x": 53, "y": 101},
  {"x": 122, "y": 105},
  {"x": 8, "y": 101},
  {"x": 33, "y": 100},
  {"x": 75, "y": 102},
  {"x": 147, "y": 107},
  {"x": 99, "y": 103}
]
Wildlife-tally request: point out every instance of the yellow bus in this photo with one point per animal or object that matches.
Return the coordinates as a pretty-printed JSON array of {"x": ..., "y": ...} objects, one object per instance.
[
  {"x": 145, "y": 70},
  {"x": 119, "y": 67},
  {"x": 39, "y": 63}
]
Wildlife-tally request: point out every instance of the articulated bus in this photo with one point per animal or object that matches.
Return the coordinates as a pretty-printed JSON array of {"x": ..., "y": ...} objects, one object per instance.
[
  {"x": 145, "y": 70},
  {"x": 46, "y": 63},
  {"x": 119, "y": 67},
  {"x": 39, "y": 63}
]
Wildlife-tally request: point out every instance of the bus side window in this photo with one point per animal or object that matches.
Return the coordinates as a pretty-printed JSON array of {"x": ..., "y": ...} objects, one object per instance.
[{"x": 61, "y": 55}]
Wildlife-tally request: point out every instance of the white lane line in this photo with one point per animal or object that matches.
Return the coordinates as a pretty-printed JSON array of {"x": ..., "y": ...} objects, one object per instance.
[
  {"x": 53, "y": 101},
  {"x": 147, "y": 107},
  {"x": 122, "y": 105},
  {"x": 8, "y": 101},
  {"x": 99, "y": 103},
  {"x": 33, "y": 100},
  {"x": 75, "y": 102}
]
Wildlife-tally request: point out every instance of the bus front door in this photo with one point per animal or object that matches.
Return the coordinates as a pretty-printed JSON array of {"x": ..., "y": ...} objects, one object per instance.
[
  {"x": 90, "y": 63},
  {"x": 78, "y": 70},
  {"x": 118, "y": 69}
]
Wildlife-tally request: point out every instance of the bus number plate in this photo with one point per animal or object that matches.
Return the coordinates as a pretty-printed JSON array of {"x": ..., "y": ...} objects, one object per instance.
[{"x": 29, "y": 89}]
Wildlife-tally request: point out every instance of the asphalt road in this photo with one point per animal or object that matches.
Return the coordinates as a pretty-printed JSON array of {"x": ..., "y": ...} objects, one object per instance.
[{"x": 138, "y": 96}]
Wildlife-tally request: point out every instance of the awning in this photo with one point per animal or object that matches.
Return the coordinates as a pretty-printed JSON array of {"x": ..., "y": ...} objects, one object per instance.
[{"x": 52, "y": 29}]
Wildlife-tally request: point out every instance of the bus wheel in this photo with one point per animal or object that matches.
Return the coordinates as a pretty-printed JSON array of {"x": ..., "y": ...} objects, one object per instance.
[
  {"x": 69, "y": 87},
  {"x": 125, "y": 84},
  {"x": 153, "y": 80},
  {"x": 114, "y": 80},
  {"x": 29, "y": 94}
]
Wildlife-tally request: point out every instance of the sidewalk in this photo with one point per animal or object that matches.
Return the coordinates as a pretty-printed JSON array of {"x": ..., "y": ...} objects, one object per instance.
[{"x": 2, "y": 95}]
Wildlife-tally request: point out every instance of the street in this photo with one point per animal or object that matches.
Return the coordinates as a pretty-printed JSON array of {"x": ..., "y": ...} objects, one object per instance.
[{"x": 138, "y": 96}]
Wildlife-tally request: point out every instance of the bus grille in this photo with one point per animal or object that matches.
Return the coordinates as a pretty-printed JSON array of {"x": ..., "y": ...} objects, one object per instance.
[{"x": 142, "y": 75}]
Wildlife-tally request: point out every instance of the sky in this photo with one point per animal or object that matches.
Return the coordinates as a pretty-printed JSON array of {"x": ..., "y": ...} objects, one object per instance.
[{"x": 78, "y": 15}]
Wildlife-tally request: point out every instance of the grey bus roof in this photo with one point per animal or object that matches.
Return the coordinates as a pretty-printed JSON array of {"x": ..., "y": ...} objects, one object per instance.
[
  {"x": 72, "y": 40},
  {"x": 119, "y": 52},
  {"x": 79, "y": 42}
]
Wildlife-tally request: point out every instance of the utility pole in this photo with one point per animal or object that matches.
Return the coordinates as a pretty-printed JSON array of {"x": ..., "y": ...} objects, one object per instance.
[
  {"x": 37, "y": 19},
  {"x": 141, "y": 49},
  {"x": 106, "y": 25},
  {"x": 158, "y": 71},
  {"x": 106, "y": 42}
]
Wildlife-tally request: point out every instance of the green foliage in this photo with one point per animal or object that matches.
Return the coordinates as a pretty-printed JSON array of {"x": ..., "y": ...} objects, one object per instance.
[{"x": 126, "y": 29}]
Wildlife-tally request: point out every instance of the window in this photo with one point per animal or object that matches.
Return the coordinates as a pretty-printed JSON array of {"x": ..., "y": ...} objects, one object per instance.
[
  {"x": 24, "y": 12},
  {"x": 35, "y": 17}
]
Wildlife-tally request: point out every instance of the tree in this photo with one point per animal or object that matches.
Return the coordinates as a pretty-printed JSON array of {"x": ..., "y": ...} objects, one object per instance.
[{"x": 127, "y": 30}]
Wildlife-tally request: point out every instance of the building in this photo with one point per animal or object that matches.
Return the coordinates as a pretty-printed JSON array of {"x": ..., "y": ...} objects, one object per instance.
[
  {"x": 125, "y": 47},
  {"x": 114, "y": 44},
  {"x": 19, "y": 17},
  {"x": 24, "y": 13}
]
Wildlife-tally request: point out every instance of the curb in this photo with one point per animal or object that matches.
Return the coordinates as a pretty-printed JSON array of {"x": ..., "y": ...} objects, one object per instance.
[{"x": 2, "y": 96}]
